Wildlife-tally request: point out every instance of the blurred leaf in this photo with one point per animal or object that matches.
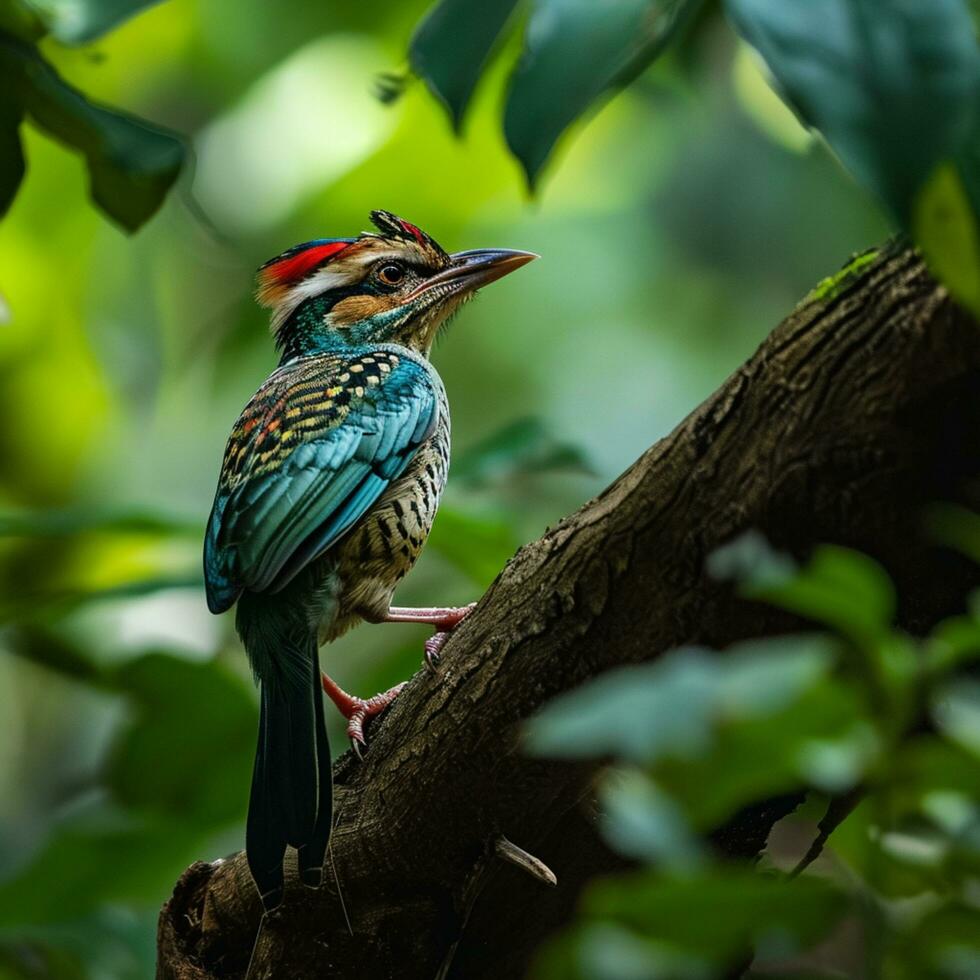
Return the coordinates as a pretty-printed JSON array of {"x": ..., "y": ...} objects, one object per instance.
[
  {"x": 718, "y": 915},
  {"x": 56, "y": 523},
  {"x": 44, "y": 647},
  {"x": 750, "y": 560},
  {"x": 956, "y": 711},
  {"x": 79, "y": 21},
  {"x": 21, "y": 20},
  {"x": 478, "y": 546},
  {"x": 668, "y": 707},
  {"x": 954, "y": 642},
  {"x": 890, "y": 83},
  {"x": 131, "y": 164},
  {"x": 574, "y": 51},
  {"x": 945, "y": 226},
  {"x": 956, "y": 527},
  {"x": 451, "y": 47},
  {"x": 640, "y": 821},
  {"x": 12, "y": 165},
  {"x": 188, "y": 750},
  {"x": 605, "y": 951},
  {"x": 943, "y": 942},
  {"x": 838, "y": 587},
  {"x": 82, "y": 867},
  {"x": 635, "y": 713},
  {"x": 55, "y": 605},
  {"x": 522, "y": 447},
  {"x": 180, "y": 767}
]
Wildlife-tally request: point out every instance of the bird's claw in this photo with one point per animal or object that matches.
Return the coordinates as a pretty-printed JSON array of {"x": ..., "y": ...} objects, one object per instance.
[
  {"x": 444, "y": 628},
  {"x": 433, "y": 646},
  {"x": 357, "y": 710}
]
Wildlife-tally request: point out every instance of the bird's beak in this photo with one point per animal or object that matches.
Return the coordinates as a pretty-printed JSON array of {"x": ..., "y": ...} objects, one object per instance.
[{"x": 471, "y": 270}]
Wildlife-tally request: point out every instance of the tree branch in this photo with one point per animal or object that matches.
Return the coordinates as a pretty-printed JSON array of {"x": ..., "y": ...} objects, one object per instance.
[{"x": 860, "y": 408}]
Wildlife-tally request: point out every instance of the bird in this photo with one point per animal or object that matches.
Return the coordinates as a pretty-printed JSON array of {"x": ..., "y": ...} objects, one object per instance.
[{"x": 328, "y": 488}]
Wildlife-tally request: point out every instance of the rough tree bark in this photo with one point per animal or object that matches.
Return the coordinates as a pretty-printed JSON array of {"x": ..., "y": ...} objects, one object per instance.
[{"x": 860, "y": 408}]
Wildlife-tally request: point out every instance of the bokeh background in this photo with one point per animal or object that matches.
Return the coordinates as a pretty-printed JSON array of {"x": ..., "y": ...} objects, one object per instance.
[{"x": 677, "y": 227}]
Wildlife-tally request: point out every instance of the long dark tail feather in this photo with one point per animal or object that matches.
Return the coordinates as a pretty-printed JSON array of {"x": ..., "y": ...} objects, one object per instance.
[{"x": 291, "y": 798}]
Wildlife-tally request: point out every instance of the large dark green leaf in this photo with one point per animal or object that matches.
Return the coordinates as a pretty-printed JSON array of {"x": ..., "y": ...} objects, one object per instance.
[
  {"x": 188, "y": 751},
  {"x": 11, "y": 155},
  {"x": 574, "y": 51},
  {"x": 451, "y": 46},
  {"x": 131, "y": 164},
  {"x": 78, "y": 21},
  {"x": 177, "y": 773},
  {"x": 890, "y": 83}
]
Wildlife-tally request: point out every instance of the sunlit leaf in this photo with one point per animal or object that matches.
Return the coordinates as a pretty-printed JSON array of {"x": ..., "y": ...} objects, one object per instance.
[
  {"x": 520, "y": 448},
  {"x": 78, "y": 21},
  {"x": 889, "y": 83},
  {"x": 452, "y": 45},
  {"x": 131, "y": 164},
  {"x": 574, "y": 51},
  {"x": 945, "y": 226}
]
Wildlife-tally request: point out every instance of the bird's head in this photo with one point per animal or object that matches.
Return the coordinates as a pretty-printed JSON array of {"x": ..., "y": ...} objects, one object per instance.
[{"x": 394, "y": 285}]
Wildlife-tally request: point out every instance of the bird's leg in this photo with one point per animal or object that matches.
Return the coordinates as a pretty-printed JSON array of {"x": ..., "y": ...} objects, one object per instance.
[
  {"x": 444, "y": 619},
  {"x": 357, "y": 710}
]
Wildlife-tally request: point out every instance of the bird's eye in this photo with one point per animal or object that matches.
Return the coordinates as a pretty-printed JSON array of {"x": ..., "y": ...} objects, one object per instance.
[{"x": 392, "y": 274}]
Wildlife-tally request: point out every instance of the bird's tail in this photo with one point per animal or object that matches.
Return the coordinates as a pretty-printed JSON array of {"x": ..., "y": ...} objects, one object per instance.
[{"x": 291, "y": 797}]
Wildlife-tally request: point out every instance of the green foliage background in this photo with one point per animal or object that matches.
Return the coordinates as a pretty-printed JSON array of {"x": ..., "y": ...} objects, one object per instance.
[{"x": 676, "y": 229}]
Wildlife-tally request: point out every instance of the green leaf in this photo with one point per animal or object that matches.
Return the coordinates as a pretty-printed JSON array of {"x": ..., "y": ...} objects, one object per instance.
[
  {"x": 83, "y": 867},
  {"x": 641, "y": 822},
  {"x": 523, "y": 447},
  {"x": 193, "y": 730},
  {"x": 956, "y": 527},
  {"x": 719, "y": 914},
  {"x": 668, "y": 708},
  {"x": 605, "y": 951},
  {"x": 79, "y": 21},
  {"x": 21, "y": 19},
  {"x": 890, "y": 83},
  {"x": 956, "y": 711},
  {"x": 840, "y": 588},
  {"x": 478, "y": 546},
  {"x": 58, "y": 523},
  {"x": 945, "y": 226},
  {"x": 131, "y": 164},
  {"x": 452, "y": 46},
  {"x": 12, "y": 166},
  {"x": 574, "y": 52}
]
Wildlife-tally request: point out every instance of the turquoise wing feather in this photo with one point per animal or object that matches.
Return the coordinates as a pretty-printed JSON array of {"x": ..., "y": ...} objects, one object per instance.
[{"x": 316, "y": 446}]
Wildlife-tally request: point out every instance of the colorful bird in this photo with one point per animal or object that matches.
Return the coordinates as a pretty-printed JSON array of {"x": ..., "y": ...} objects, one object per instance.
[{"x": 328, "y": 489}]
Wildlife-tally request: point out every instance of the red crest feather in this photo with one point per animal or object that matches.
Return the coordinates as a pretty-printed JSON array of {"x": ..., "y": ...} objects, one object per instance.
[{"x": 294, "y": 265}]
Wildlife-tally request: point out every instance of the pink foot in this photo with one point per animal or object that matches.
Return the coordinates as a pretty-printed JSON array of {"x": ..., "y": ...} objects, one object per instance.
[
  {"x": 444, "y": 619},
  {"x": 357, "y": 710}
]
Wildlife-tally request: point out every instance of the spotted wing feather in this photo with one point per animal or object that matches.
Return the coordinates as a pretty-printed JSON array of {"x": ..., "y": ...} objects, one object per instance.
[{"x": 317, "y": 445}]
